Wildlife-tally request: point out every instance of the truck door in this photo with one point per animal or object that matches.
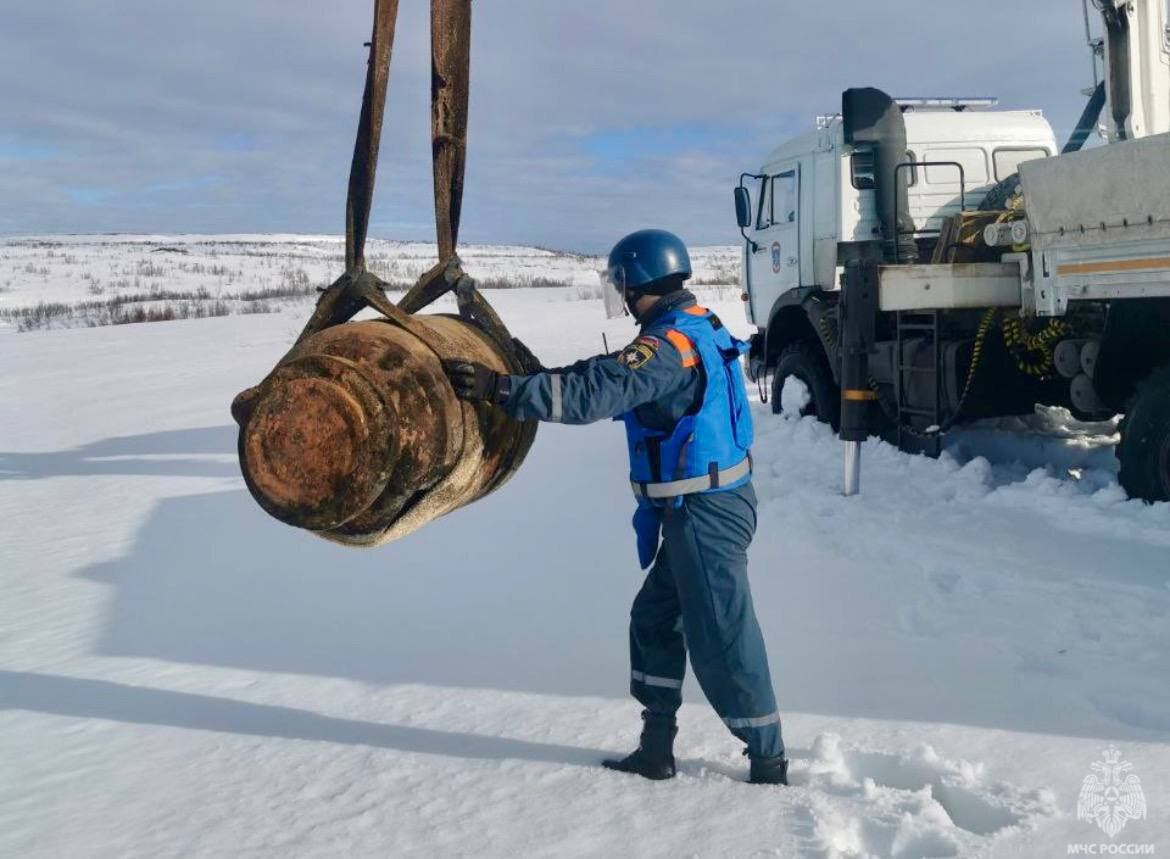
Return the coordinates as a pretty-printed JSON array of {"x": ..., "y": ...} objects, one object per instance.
[{"x": 774, "y": 267}]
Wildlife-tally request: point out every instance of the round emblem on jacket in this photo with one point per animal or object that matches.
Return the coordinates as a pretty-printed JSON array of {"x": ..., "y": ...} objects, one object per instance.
[{"x": 636, "y": 355}]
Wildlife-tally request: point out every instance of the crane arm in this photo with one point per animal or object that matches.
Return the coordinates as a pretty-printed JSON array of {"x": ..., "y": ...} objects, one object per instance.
[{"x": 1137, "y": 67}]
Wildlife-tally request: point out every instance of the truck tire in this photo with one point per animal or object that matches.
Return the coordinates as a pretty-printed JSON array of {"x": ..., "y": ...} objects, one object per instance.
[
  {"x": 807, "y": 362},
  {"x": 997, "y": 198},
  {"x": 1144, "y": 449}
]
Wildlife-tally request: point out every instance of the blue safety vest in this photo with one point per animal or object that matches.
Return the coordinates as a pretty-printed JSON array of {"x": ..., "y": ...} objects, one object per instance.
[{"x": 709, "y": 449}]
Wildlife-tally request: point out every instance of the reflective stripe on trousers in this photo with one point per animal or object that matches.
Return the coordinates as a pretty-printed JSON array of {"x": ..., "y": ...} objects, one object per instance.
[
  {"x": 651, "y": 680},
  {"x": 753, "y": 721}
]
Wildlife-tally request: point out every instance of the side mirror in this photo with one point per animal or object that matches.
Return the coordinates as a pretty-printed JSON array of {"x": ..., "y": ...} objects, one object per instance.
[
  {"x": 743, "y": 207},
  {"x": 743, "y": 214}
]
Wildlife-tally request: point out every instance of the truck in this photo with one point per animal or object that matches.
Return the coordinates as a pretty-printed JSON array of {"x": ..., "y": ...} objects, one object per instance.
[{"x": 1008, "y": 271}]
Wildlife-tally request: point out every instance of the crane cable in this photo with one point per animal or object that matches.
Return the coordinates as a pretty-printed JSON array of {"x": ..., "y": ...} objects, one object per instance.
[{"x": 1034, "y": 353}]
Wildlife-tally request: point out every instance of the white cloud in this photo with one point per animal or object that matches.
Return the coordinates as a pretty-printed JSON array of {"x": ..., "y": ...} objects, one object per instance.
[{"x": 246, "y": 111}]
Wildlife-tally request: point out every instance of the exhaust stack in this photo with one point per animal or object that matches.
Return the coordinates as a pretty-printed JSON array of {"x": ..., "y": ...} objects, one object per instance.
[{"x": 872, "y": 117}]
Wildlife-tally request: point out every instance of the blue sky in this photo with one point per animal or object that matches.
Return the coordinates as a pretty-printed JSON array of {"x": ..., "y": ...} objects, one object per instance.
[{"x": 587, "y": 120}]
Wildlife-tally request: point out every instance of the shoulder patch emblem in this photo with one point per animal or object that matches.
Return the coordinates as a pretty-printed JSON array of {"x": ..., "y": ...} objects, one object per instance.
[{"x": 638, "y": 354}]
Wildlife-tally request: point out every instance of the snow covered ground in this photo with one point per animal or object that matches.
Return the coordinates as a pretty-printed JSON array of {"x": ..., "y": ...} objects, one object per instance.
[
  {"x": 81, "y": 281},
  {"x": 181, "y": 675}
]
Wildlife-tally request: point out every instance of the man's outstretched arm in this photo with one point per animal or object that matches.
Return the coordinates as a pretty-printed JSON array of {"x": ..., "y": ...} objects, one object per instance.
[{"x": 648, "y": 369}]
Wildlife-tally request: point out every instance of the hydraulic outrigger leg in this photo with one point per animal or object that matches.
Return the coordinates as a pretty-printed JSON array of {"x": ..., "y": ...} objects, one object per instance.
[{"x": 858, "y": 314}]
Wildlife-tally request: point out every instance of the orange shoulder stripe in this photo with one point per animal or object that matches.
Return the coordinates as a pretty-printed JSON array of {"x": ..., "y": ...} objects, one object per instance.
[
  {"x": 686, "y": 349},
  {"x": 696, "y": 310}
]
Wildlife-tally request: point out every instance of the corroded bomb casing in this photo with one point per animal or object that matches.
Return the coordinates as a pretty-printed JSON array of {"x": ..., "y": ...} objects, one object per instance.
[{"x": 358, "y": 436}]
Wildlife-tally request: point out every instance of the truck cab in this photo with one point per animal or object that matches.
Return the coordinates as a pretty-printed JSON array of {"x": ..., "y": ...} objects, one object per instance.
[
  {"x": 816, "y": 190},
  {"x": 915, "y": 264},
  {"x": 1005, "y": 276}
]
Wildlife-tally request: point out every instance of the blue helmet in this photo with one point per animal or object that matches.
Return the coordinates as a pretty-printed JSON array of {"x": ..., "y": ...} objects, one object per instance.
[{"x": 646, "y": 256}]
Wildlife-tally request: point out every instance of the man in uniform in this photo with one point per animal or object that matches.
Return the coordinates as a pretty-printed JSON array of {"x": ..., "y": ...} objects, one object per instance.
[{"x": 679, "y": 389}]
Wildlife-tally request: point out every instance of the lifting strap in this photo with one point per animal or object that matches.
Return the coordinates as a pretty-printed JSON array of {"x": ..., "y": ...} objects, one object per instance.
[{"x": 450, "y": 83}]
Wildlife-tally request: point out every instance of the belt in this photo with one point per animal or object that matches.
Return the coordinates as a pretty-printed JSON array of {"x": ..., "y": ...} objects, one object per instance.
[{"x": 691, "y": 485}]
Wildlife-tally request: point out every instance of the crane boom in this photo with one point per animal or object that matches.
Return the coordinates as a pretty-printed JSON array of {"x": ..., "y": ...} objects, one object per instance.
[{"x": 1137, "y": 67}]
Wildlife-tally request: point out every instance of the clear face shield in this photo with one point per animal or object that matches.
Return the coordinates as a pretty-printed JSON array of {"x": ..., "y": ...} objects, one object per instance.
[{"x": 613, "y": 291}]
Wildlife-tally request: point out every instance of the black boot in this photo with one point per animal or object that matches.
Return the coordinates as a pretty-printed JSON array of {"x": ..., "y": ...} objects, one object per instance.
[
  {"x": 654, "y": 758},
  {"x": 769, "y": 770}
]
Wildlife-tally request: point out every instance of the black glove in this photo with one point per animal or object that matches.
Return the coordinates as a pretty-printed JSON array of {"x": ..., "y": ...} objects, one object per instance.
[{"x": 476, "y": 382}]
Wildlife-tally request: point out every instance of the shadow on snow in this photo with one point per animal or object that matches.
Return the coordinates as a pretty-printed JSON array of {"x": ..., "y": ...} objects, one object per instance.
[
  {"x": 178, "y": 452},
  {"x": 505, "y": 595},
  {"x": 99, "y": 699}
]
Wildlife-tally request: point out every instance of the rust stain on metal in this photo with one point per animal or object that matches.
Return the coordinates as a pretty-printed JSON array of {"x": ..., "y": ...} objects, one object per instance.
[{"x": 359, "y": 437}]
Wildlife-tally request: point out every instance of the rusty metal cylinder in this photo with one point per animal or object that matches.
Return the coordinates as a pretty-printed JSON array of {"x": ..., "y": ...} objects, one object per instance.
[{"x": 358, "y": 436}]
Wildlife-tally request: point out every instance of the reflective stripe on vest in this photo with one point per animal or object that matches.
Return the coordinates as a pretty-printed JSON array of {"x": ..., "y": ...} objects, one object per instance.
[
  {"x": 695, "y": 484},
  {"x": 686, "y": 349}
]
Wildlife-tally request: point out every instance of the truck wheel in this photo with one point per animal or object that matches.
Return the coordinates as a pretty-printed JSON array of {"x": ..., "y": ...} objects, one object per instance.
[
  {"x": 997, "y": 198},
  {"x": 1144, "y": 449},
  {"x": 806, "y": 363}
]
